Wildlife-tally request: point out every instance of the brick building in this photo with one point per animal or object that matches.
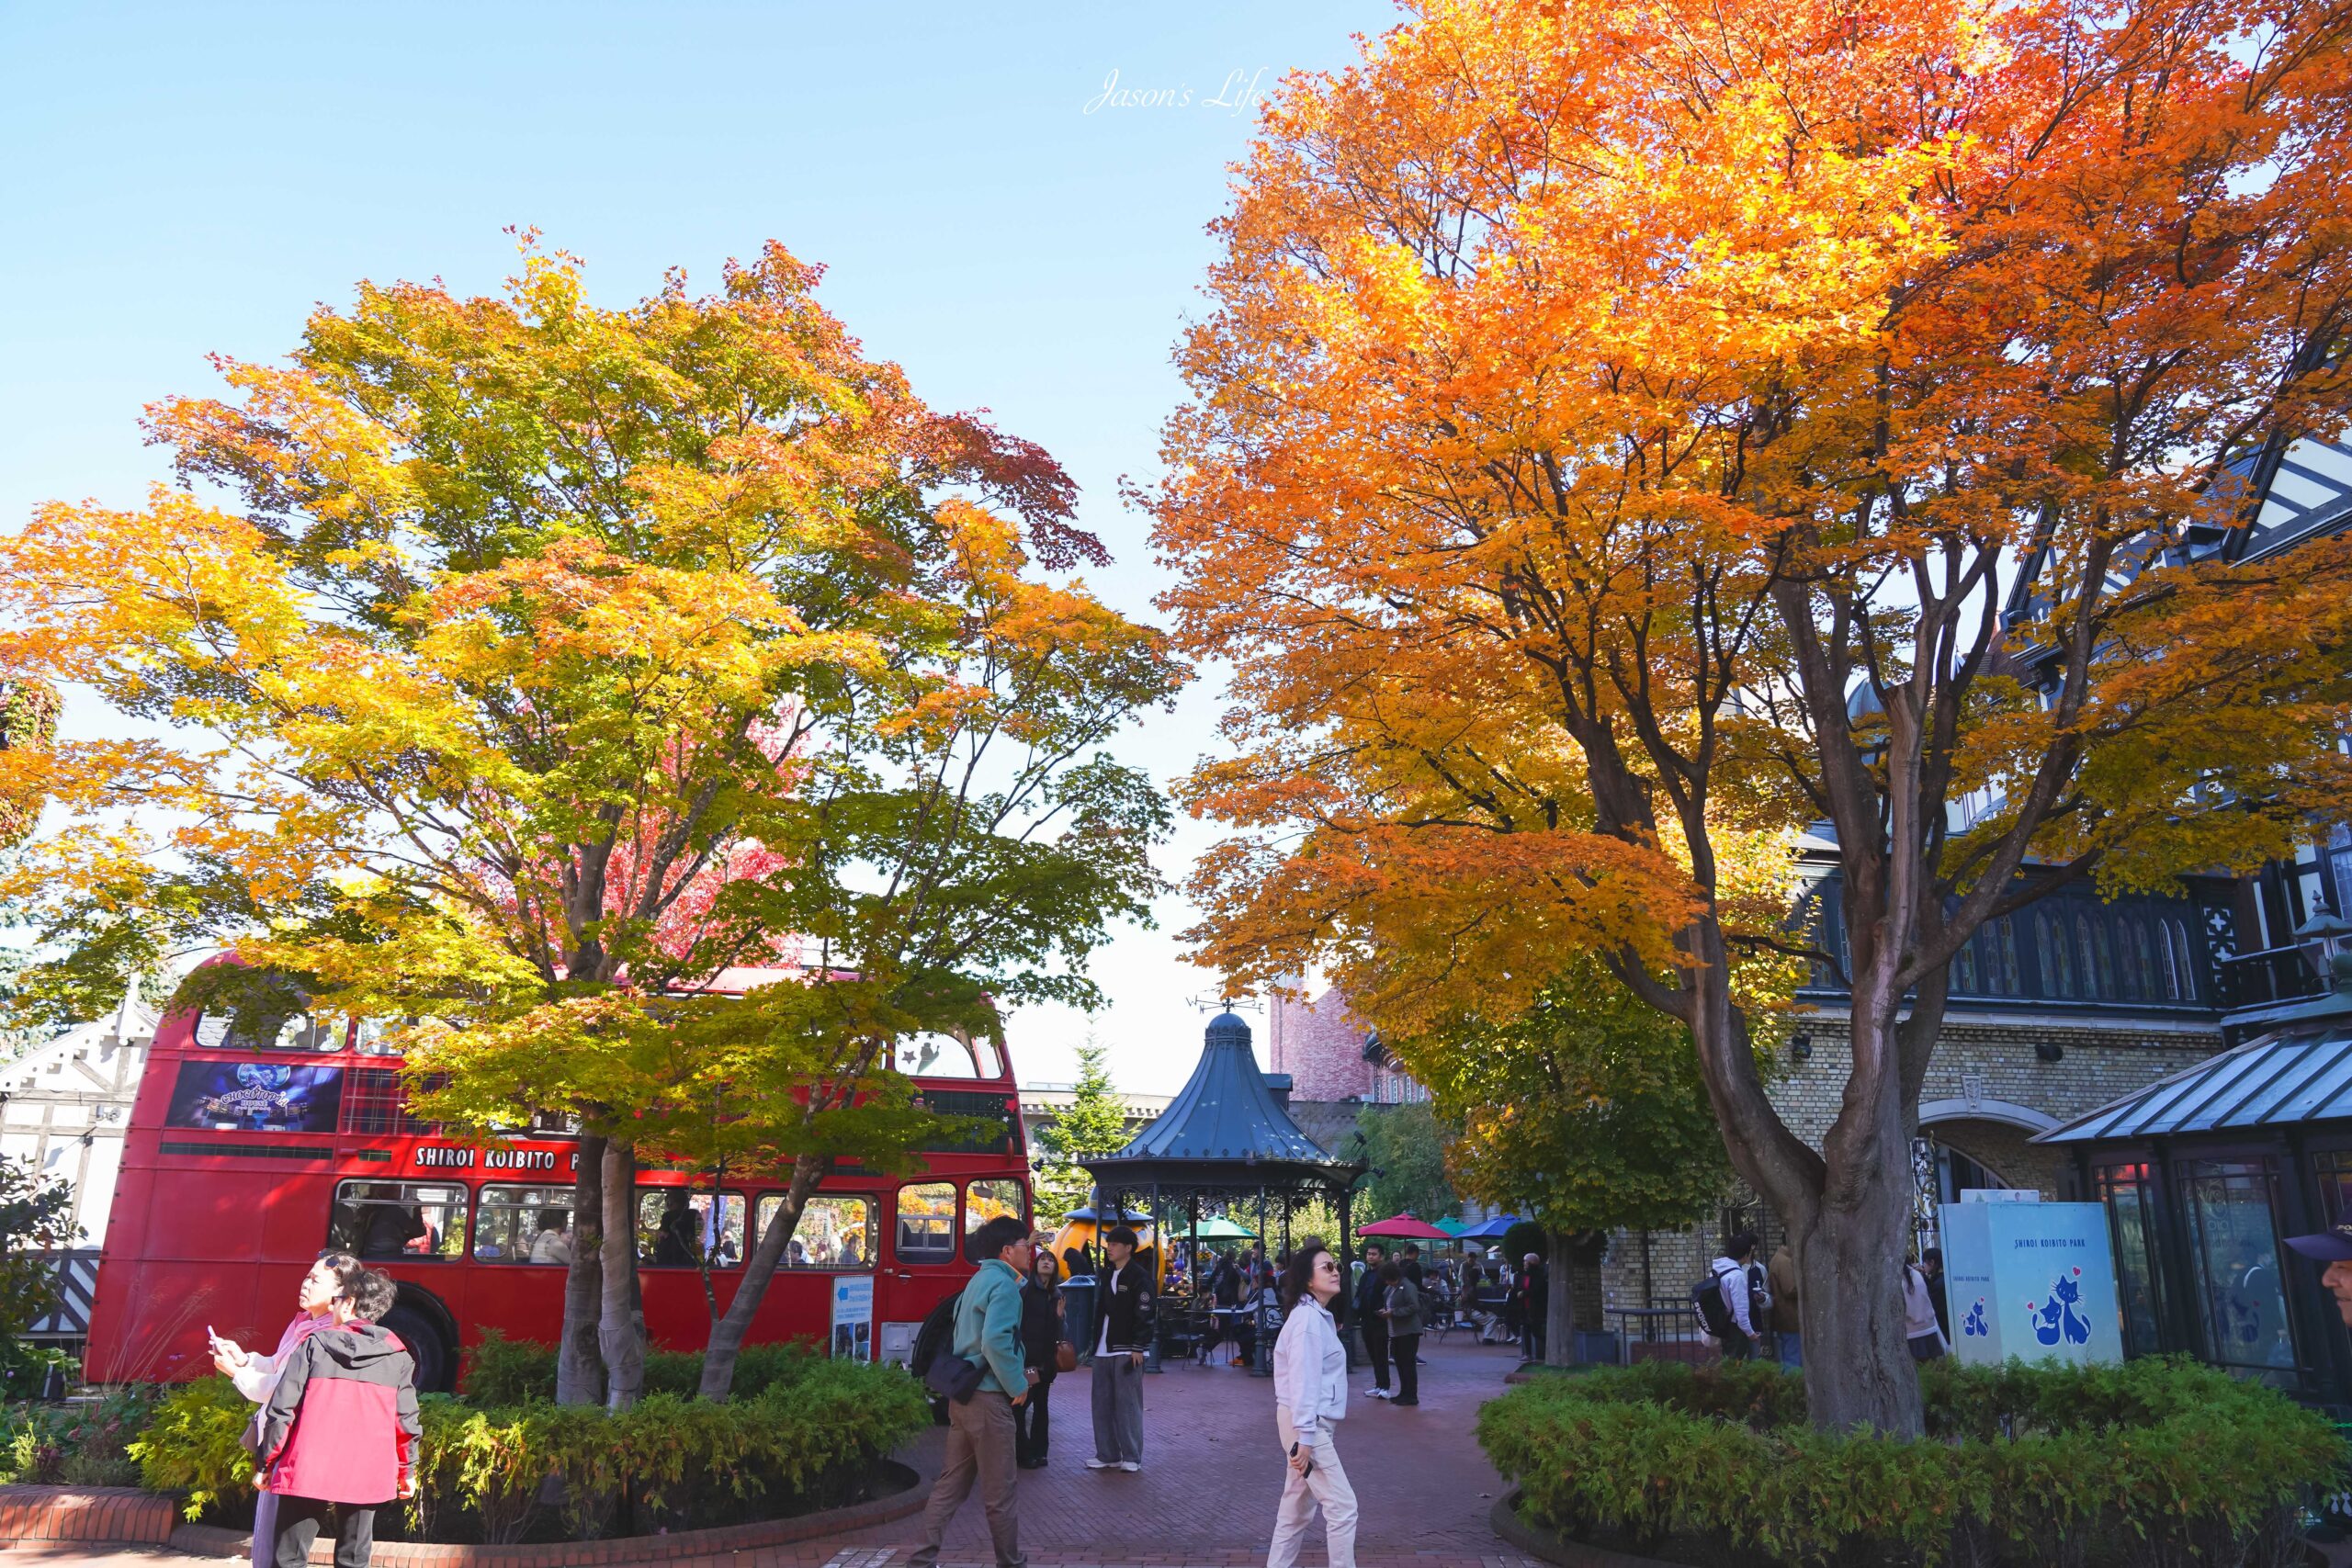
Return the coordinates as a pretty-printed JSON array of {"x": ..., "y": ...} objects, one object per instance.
[{"x": 1330, "y": 1056}]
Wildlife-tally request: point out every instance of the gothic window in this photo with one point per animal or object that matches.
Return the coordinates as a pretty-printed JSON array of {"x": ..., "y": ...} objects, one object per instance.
[
  {"x": 2107, "y": 986},
  {"x": 1963, "y": 968},
  {"x": 2093, "y": 979},
  {"x": 2007, "y": 985},
  {"x": 2056, "y": 955},
  {"x": 2187, "y": 970},
  {"x": 2171, "y": 963},
  {"x": 2143, "y": 969}
]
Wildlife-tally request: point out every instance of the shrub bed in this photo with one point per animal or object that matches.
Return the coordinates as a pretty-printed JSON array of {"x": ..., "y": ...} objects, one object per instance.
[
  {"x": 82, "y": 1443},
  {"x": 526, "y": 1468},
  {"x": 2154, "y": 1462}
]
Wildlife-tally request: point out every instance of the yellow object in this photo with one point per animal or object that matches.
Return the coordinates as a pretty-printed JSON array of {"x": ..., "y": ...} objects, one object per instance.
[{"x": 1085, "y": 1234}]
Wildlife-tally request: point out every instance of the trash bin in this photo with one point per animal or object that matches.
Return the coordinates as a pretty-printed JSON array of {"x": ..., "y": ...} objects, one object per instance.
[{"x": 1078, "y": 1314}]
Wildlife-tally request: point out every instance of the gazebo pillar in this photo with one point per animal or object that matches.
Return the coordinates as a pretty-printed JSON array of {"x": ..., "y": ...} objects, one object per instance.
[{"x": 1347, "y": 1281}]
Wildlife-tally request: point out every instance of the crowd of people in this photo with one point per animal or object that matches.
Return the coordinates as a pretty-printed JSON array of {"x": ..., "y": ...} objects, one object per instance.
[
  {"x": 992, "y": 1354},
  {"x": 1750, "y": 1308}
]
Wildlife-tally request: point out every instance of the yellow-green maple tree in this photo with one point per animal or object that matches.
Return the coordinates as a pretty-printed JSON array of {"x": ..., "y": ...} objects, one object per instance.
[
  {"x": 1596, "y": 398},
  {"x": 521, "y": 665}
]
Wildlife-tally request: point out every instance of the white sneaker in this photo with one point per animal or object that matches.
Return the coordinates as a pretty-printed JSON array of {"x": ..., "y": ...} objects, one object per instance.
[
  {"x": 1130, "y": 1466},
  {"x": 1377, "y": 1393},
  {"x": 1100, "y": 1465}
]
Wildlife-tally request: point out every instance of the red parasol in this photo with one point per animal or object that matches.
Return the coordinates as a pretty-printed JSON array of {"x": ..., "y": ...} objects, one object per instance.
[{"x": 1403, "y": 1225}]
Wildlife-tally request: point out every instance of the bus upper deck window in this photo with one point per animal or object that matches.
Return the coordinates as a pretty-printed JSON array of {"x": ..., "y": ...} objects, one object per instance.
[
  {"x": 252, "y": 1029},
  {"x": 419, "y": 1220},
  {"x": 927, "y": 1223},
  {"x": 940, "y": 1055}
]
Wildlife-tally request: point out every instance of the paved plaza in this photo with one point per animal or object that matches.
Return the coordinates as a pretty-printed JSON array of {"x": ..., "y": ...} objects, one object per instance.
[
  {"x": 1203, "y": 1499},
  {"x": 1212, "y": 1472}
]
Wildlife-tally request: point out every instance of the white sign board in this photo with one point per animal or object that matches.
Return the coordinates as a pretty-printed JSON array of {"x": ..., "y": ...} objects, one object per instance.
[
  {"x": 854, "y": 1316},
  {"x": 2033, "y": 1280}
]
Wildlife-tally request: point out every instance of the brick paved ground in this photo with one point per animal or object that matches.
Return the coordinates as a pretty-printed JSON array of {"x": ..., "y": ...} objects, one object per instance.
[
  {"x": 1203, "y": 1499},
  {"x": 1212, "y": 1472}
]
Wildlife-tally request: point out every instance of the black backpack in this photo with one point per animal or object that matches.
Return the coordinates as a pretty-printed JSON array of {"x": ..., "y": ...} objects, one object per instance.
[
  {"x": 1708, "y": 1306},
  {"x": 933, "y": 1337}
]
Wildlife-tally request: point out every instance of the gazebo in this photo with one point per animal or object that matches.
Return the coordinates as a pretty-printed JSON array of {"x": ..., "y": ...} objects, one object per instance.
[{"x": 1227, "y": 1139}]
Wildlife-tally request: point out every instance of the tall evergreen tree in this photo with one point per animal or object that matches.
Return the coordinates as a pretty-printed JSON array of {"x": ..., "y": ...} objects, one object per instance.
[{"x": 1095, "y": 1123}]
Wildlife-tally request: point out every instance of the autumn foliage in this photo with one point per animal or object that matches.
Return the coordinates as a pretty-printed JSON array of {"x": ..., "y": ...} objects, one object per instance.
[
  {"x": 511, "y": 669},
  {"x": 1625, "y": 434}
]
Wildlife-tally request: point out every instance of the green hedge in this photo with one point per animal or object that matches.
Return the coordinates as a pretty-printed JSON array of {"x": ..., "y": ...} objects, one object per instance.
[
  {"x": 500, "y": 1371},
  {"x": 808, "y": 1438},
  {"x": 2153, "y": 1463}
]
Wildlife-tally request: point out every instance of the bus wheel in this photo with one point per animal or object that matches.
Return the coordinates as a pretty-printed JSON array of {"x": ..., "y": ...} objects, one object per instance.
[{"x": 436, "y": 1364}]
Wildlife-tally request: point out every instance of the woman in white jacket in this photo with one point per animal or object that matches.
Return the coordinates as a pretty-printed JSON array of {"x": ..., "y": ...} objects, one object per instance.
[{"x": 1310, "y": 1393}]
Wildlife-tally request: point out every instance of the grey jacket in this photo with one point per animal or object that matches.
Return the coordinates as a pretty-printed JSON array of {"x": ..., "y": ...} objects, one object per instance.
[{"x": 1403, "y": 1309}]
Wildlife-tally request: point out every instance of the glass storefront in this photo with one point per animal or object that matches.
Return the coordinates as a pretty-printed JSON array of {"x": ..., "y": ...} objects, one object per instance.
[
  {"x": 2126, "y": 1191},
  {"x": 2235, "y": 1262}
]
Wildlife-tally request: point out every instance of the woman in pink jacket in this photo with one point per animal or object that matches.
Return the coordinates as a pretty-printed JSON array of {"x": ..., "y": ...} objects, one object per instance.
[{"x": 323, "y": 1300}]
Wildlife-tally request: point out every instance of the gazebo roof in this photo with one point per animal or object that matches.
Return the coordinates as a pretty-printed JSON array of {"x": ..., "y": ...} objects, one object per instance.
[{"x": 1225, "y": 1128}]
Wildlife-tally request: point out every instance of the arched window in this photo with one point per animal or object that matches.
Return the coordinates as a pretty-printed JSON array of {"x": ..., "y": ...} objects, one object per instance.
[
  {"x": 2187, "y": 968},
  {"x": 1964, "y": 967},
  {"x": 2055, "y": 952},
  {"x": 2170, "y": 963},
  {"x": 2008, "y": 984},
  {"x": 2144, "y": 966},
  {"x": 2098, "y": 928},
  {"x": 2088, "y": 972}
]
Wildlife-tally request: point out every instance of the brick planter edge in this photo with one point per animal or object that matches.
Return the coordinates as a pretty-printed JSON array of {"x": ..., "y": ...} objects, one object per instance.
[
  {"x": 31, "y": 1512},
  {"x": 212, "y": 1541}
]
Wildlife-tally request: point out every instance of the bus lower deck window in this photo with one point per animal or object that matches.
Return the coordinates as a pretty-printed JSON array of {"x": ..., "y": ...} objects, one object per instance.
[
  {"x": 524, "y": 1224},
  {"x": 927, "y": 1223},
  {"x": 679, "y": 1228},
  {"x": 834, "y": 1232},
  {"x": 420, "y": 1221}
]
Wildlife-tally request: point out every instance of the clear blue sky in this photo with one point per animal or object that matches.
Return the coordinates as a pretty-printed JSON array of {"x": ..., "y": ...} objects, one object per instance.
[{"x": 184, "y": 179}]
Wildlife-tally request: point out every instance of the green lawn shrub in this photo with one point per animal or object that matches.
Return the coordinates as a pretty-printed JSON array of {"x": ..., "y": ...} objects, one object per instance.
[
  {"x": 500, "y": 1371},
  {"x": 2154, "y": 1462},
  {"x": 531, "y": 1470},
  {"x": 83, "y": 1443}
]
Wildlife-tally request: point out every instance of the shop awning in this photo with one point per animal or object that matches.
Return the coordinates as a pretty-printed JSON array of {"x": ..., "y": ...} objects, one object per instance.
[{"x": 2297, "y": 1075}]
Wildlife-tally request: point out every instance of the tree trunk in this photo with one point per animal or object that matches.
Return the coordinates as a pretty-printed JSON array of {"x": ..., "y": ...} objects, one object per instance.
[
  {"x": 579, "y": 1368},
  {"x": 1847, "y": 1205},
  {"x": 759, "y": 1270},
  {"x": 1857, "y": 1369},
  {"x": 1560, "y": 1304},
  {"x": 1850, "y": 1243},
  {"x": 621, "y": 1329}
]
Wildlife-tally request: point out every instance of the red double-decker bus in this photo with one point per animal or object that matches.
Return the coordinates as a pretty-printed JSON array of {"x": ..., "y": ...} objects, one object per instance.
[{"x": 256, "y": 1140}]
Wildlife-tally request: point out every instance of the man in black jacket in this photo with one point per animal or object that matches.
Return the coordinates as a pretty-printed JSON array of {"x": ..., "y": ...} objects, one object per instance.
[
  {"x": 1375, "y": 1327},
  {"x": 1532, "y": 1294},
  {"x": 1122, "y": 1304}
]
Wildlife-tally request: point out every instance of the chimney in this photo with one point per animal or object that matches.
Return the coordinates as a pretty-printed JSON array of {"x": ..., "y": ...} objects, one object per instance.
[{"x": 1280, "y": 1084}]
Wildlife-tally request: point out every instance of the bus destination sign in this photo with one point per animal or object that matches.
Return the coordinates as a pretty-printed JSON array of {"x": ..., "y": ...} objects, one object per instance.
[{"x": 461, "y": 1157}]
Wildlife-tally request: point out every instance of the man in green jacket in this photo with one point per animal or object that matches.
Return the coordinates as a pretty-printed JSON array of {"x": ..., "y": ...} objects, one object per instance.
[{"x": 980, "y": 1430}]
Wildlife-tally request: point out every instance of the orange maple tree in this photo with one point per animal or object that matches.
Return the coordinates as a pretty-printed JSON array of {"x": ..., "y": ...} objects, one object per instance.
[{"x": 1627, "y": 433}]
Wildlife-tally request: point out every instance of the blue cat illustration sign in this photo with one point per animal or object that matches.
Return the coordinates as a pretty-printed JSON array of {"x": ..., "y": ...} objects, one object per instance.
[{"x": 2033, "y": 1280}]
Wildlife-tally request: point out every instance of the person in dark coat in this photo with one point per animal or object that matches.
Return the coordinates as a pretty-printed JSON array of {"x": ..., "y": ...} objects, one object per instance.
[
  {"x": 1532, "y": 1294},
  {"x": 1041, "y": 1337},
  {"x": 1370, "y": 1295}
]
